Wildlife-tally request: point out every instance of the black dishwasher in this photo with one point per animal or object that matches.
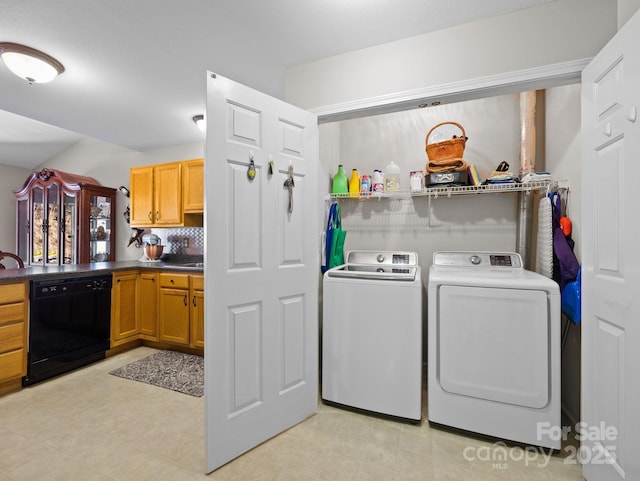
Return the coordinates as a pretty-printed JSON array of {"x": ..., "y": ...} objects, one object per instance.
[{"x": 69, "y": 325}]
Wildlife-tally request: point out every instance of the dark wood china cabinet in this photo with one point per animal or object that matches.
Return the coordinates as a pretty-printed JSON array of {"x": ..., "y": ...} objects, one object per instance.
[{"x": 64, "y": 218}]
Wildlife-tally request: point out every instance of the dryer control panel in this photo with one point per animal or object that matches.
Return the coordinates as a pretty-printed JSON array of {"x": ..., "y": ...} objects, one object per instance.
[{"x": 478, "y": 259}]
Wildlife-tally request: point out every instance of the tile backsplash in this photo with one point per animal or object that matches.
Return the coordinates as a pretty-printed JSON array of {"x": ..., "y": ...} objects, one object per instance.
[{"x": 174, "y": 240}]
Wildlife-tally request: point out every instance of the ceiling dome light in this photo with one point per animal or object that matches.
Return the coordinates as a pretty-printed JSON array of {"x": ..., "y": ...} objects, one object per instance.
[
  {"x": 30, "y": 64},
  {"x": 199, "y": 121}
]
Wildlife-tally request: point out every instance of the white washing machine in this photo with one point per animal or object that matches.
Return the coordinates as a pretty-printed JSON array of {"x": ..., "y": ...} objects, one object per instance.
[
  {"x": 372, "y": 334},
  {"x": 494, "y": 347}
]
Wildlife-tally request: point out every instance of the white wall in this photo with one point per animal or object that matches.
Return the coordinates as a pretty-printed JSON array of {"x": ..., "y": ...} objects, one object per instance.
[
  {"x": 626, "y": 9},
  {"x": 109, "y": 164},
  {"x": 11, "y": 178},
  {"x": 553, "y": 32},
  {"x": 563, "y": 148}
]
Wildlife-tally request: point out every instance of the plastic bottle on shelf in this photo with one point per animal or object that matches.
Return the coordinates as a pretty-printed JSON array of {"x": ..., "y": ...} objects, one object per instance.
[
  {"x": 365, "y": 185},
  {"x": 377, "y": 183},
  {"x": 340, "y": 182},
  {"x": 354, "y": 184},
  {"x": 392, "y": 177}
]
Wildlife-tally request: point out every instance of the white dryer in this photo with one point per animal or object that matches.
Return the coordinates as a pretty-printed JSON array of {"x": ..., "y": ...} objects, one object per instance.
[{"x": 494, "y": 347}]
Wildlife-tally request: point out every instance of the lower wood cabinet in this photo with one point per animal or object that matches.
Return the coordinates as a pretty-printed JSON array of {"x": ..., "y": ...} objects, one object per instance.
[
  {"x": 173, "y": 308},
  {"x": 196, "y": 317},
  {"x": 125, "y": 321},
  {"x": 148, "y": 305},
  {"x": 13, "y": 330},
  {"x": 164, "y": 307}
]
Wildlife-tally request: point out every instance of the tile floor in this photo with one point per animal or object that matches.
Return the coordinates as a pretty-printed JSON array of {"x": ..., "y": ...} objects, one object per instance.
[{"x": 90, "y": 426}]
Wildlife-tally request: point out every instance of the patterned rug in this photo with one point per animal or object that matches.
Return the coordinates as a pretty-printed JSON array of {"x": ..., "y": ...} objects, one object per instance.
[{"x": 168, "y": 369}]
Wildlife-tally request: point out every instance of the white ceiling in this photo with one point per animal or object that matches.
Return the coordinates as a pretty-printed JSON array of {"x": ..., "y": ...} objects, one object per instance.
[{"x": 135, "y": 70}]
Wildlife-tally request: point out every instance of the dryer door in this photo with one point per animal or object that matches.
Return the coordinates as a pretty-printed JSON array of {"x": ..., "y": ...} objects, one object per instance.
[{"x": 494, "y": 344}]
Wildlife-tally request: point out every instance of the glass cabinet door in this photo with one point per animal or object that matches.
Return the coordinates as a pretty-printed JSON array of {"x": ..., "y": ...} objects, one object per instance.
[
  {"x": 52, "y": 238},
  {"x": 69, "y": 233},
  {"x": 22, "y": 232},
  {"x": 100, "y": 225},
  {"x": 37, "y": 225}
]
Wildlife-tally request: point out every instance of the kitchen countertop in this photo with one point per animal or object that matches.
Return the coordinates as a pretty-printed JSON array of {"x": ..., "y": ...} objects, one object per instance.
[{"x": 95, "y": 268}]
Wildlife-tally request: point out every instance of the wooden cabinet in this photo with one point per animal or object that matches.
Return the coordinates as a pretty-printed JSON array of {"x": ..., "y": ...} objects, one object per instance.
[
  {"x": 167, "y": 195},
  {"x": 173, "y": 308},
  {"x": 156, "y": 195},
  {"x": 125, "y": 322},
  {"x": 64, "y": 218},
  {"x": 157, "y": 306},
  {"x": 148, "y": 305},
  {"x": 193, "y": 186},
  {"x": 13, "y": 330},
  {"x": 196, "y": 317},
  {"x": 141, "y": 196}
]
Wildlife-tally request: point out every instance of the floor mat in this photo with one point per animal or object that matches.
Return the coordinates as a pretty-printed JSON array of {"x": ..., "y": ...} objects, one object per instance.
[{"x": 168, "y": 369}]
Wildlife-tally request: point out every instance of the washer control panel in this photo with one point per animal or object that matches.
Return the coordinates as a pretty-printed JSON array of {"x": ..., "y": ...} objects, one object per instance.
[
  {"x": 382, "y": 258},
  {"x": 478, "y": 259}
]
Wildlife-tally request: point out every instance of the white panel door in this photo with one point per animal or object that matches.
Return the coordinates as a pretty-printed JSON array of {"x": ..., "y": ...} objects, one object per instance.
[
  {"x": 611, "y": 265},
  {"x": 262, "y": 263}
]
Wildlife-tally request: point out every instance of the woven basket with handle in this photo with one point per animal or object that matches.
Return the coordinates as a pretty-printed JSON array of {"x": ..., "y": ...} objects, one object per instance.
[{"x": 447, "y": 149}]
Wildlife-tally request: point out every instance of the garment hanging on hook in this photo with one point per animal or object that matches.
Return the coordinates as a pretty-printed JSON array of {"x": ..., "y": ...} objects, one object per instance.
[{"x": 565, "y": 265}]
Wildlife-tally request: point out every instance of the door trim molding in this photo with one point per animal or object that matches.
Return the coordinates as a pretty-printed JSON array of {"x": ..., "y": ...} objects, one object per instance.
[{"x": 553, "y": 75}]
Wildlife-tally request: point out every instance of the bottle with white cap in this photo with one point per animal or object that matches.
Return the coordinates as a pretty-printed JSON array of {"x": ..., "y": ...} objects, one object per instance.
[
  {"x": 377, "y": 183},
  {"x": 392, "y": 177}
]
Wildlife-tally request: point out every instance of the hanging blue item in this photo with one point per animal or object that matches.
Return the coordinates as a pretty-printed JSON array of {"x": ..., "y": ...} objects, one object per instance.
[{"x": 571, "y": 299}]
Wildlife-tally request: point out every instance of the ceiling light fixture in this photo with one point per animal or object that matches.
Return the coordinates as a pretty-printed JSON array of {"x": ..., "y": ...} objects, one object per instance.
[
  {"x": 199, "y": 121},
  {"x": 30, "y": 64}
]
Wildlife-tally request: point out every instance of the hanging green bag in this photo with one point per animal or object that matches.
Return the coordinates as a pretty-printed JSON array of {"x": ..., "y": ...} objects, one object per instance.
[{"x": 334, "y": 239}]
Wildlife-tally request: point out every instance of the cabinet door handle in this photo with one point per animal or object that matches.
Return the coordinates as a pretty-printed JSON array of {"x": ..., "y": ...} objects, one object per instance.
[
  {"x": 157, "y": 215},
  {"x": 149, "y": 216},
  {"x": 185, "y": 300},
  {"x": 194, "y": 301}
]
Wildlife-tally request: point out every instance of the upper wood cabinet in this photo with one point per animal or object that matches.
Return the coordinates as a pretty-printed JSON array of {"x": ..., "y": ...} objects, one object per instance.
[
  {"x": 156, "y": 195},
  {"x": 193, "y": 186},
  {"x": 141, "y": 192},
  {"x": 167, "y": 195},
  {"x": 64, "y": 218}
]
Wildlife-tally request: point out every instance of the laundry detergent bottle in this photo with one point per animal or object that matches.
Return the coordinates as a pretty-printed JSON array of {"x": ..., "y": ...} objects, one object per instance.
[
  {"x": 392, "y": 177},
  {"x": 340, "y": 183},
  {"x": 354, "y": 184}
]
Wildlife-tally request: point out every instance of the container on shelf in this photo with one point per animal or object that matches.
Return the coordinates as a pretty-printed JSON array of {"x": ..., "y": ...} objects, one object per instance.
[
  {"x": 416, "y": 181},
  {"x": 354, "y": 184},
  {"x": 340, "y": 184},
  {"x": 365, "y": 184},
  {"x": 377, "y": 183},
  {"x": 392, "y": 177}
]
